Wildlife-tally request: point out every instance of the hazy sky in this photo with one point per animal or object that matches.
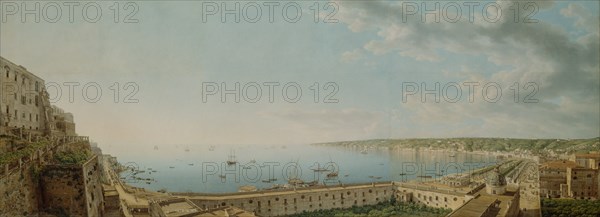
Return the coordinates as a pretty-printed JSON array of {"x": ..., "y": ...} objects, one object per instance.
[{"x": 369, "y": 55}]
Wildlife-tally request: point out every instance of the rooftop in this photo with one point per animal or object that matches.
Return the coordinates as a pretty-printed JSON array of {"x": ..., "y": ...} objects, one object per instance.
[
  {"x": 559, "y": 164},
  {"x": 478, "y": 205}
]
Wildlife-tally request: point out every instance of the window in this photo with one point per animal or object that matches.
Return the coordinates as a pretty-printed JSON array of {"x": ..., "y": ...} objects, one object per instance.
[{"x": 7, "y": 71}]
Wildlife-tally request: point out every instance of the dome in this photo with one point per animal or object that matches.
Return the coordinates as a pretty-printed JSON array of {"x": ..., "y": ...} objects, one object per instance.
[{"x": 495, "y": 178}]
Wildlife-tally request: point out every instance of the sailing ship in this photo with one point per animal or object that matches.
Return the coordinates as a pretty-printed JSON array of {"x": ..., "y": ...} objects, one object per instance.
[
  {"x": 334, "y": 173},
  {"x": 231, "y": 158}
]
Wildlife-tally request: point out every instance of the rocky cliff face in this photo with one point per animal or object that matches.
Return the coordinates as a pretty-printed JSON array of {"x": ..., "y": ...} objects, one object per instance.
[
  {"x": 47, "y": 185},
  {"x": 20, "y": 192}
]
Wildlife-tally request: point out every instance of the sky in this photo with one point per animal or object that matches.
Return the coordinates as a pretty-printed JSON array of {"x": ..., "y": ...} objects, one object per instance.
[{"x": 530, "y": 72}]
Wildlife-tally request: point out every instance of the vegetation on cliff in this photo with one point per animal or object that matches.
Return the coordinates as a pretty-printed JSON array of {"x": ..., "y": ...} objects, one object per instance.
[
  {"x": 72, "y": 157},
  {"x": 383, "y": 209},
  {"x": 13, "y": 156},
  {"x": 569, "y": 207}
]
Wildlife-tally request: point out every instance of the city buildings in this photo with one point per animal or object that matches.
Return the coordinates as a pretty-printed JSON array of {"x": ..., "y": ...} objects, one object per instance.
[
  {"x": 576, "y": 178},
  {"x": 25, "y": 107}
]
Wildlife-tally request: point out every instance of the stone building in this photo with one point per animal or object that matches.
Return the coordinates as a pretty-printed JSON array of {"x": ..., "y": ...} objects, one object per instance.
[
  {"x": 287, "y": 202},
  {"x": 429, "y": 196},
  {"x": 456, "y": 180},
  {"x": 496, "y": 200},
  {"x": 577, "y": 178},
  {"x": 591, "y": 160},
  {"x": 25, "y": 104},
  {"x": 553, "y": 178},
  {"x": 175, "y": 207},
  {"x": 495, "y": 183},
  {"x": 63, "y": 121},
  {"x": 73, "y": 189}
]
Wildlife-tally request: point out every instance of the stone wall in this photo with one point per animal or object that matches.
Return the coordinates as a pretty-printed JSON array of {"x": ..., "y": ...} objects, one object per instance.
[
  {"x": 279, "y": 203},
  {"x": 19, "y": 192},
  {"x": 432, "y": 198},
  {"x": 73, "y": 189},
  {"x": 28, "y": 184}
]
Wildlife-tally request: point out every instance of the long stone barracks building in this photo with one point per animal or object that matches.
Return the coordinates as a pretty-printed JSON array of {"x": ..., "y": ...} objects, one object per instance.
[
  {"x": 287, "y": 202},
  {"x": 25, "y": 107}
]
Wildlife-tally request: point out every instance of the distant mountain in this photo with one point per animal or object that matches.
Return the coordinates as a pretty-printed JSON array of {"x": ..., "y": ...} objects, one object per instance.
[{"x": 535, "y": 146}]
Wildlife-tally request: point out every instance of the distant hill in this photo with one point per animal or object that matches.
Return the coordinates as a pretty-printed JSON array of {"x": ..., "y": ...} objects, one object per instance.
[{"x": 535, "y": 146}]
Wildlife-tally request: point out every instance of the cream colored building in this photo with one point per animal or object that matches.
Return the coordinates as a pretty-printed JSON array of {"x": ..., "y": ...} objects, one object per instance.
[
  {"x": 577, "y": 178},
  {"x": 25, "y": 104},
  {"x": 24, "y": 100}
]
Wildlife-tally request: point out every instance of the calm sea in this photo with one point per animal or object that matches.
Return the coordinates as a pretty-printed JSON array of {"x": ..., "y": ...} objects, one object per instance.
[{"x": 199, "y": 168}]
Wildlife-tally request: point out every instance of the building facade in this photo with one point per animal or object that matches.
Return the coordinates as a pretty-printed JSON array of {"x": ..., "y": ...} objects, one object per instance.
[
  {"x": 24, "y": 99},
  {"x": 25, "y": 104},
  {"x": 577, "y": 178}
]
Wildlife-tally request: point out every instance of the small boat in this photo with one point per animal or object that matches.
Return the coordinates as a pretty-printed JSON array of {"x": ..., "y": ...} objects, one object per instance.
[
  {"x": 346, "y": 175},
  {"x": 187, "y": 149},
  {"x": 313, "y": 183},
  {"x": 320, "y": 169},
  {"x": 364, "y": 152},
  {"x": 171, "y": 167},
  {"x": 191, "y": 164},
  {"x": 247, "y": 167},
  {"x": 332, "y": 174},
  {"x": 426, "y": 177},
  {"x": 295, "y": 181},
  {"x": 222, "y": 176},
  {"x": 273, "y": 179},
  {"x": 148, "y": 182},
  {"x": 266, "y": 180},
  {"x": 231, "y": 158}
]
